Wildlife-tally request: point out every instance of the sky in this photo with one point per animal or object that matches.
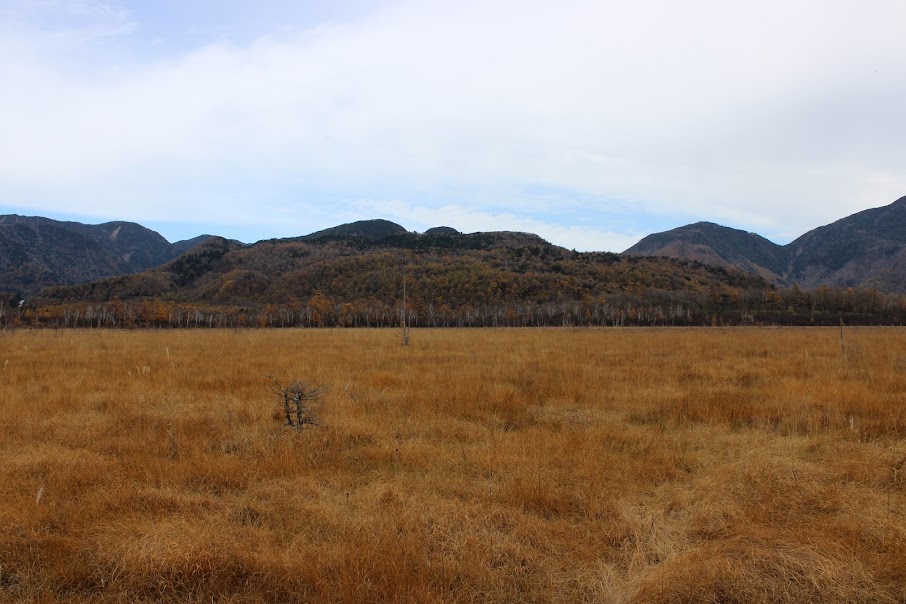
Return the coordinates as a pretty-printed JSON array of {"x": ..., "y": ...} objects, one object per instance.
[{"x": 589, "y": 122}]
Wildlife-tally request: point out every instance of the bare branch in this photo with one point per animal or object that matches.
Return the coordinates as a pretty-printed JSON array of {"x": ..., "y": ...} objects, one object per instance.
[{"x": 299, "y": 401}]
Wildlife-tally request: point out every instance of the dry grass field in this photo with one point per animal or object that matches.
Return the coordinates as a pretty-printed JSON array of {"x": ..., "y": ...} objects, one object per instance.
[{"x": 709, "y": 465}]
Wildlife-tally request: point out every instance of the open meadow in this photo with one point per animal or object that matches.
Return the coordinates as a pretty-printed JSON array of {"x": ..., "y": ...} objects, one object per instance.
[{"x": 546, "y": 465}]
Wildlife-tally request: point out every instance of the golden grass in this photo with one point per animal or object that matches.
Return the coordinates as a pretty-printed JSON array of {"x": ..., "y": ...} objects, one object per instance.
[{"x": 745, "y": 465}]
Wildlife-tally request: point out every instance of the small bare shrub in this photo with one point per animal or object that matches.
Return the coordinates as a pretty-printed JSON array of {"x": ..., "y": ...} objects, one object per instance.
[{"x": 300, "y": 402}]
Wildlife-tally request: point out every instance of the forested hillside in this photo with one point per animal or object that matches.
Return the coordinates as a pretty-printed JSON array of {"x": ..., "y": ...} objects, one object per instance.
[
  {"x": 452, "y": 279},
  {"x": 38, "y": 252}
]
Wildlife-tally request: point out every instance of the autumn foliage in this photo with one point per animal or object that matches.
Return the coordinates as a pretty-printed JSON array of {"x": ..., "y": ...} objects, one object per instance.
[{"x": 480, "y": 280}]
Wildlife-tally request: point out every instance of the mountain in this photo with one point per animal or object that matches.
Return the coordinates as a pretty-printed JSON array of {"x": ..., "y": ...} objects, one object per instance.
[
  {"x": 352, "y": 275},
  {"x": 500, "y": 274},
  {"x": 717, "y": 245},
  {"x": 442, "y": 230},
  {"x": 866, "y": 249},
  {"x": 181, "y": 247},
  {"x": 37, "y": 252},
  {"x": 364, "y": 229}
]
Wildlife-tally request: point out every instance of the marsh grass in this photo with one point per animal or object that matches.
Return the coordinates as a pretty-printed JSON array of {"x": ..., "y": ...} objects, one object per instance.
[{"x": 549, "y": 465}]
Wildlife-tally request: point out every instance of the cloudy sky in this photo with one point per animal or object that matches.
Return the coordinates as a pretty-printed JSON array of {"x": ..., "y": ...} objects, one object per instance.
[{"x": 589, "y": 122}]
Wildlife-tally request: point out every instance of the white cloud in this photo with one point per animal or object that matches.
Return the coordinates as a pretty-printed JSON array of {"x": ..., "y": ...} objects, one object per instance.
[{"x": 776, "y": 116}]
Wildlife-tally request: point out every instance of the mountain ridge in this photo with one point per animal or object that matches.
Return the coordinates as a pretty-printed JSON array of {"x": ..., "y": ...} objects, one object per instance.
[
  {"x": 37, "y": 252},
  {"x": 500, "y": 278},
  {"x": 865, "y": 249}
]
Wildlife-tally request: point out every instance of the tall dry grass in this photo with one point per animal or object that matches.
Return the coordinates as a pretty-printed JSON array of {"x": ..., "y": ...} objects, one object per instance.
[{"x": 472, "y": 466}]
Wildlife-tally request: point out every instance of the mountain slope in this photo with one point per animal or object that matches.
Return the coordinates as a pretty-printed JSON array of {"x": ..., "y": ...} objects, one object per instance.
[
  {"x": 716, "y": 245},
  {"x": 368, "y": 229},
  {"x": 181, "y": 247},
  {"x": 35, "y": 256},
  {"x": 865, "y": 249},
  {"x": 456, "y": 271},
  {"x": 37, "y": 252}
]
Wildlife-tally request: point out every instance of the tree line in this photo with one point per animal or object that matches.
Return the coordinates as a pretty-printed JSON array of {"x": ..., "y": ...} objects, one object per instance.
[{"x": 633, "y": 307}]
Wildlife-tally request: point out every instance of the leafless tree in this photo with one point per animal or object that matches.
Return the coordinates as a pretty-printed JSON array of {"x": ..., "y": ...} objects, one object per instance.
[
  {"x": 301, "y": 402},
  {"x": 404, "y": 316}
]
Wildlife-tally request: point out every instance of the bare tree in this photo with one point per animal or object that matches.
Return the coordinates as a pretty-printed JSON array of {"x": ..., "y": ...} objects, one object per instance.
[
  {"x": 301, "y": 402},
  {"x": 404, "y": 315},
  {"x": 842, "y": 341}
]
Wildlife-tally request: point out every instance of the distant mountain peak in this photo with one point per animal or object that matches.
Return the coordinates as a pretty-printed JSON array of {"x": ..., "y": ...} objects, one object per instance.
[
  {"x": 371, "y": 229},
  {"x": 714, "y": 244},
  {"x": 868, "y": 247},
  {"x": 442, "y": 230}
]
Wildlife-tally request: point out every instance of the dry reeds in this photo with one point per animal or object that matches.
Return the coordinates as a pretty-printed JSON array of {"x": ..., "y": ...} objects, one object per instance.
[{"x": 708, "y": 465}]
